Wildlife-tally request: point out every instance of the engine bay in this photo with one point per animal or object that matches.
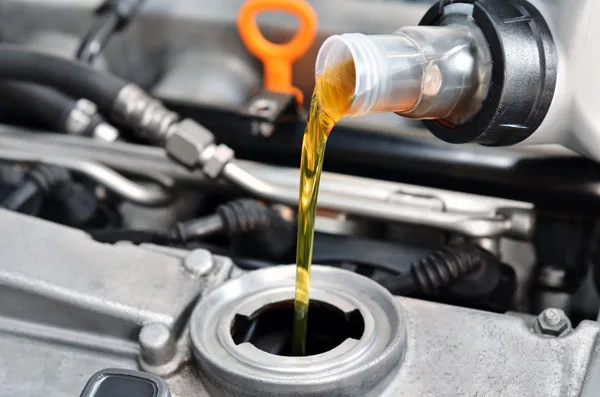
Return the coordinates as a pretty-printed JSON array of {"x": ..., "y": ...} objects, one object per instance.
[{"x": 148, "y": 215}]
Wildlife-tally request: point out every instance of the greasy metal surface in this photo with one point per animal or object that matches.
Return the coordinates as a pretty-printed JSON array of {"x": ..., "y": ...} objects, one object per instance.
[
  {"x": 453, "y": 351},
  {"x": 354, "y": 368},
  {"x": 56, "y": 275},
  {"x": 40, "y": 360},
  {"x": 70, "y": 307},
  {"x": 450, "y": 351}
]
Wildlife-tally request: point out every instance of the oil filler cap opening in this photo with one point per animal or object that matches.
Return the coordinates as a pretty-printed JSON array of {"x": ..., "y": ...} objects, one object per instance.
[
  {"x": 269, "y": 328},
  {"x": 241, "y": 335}
]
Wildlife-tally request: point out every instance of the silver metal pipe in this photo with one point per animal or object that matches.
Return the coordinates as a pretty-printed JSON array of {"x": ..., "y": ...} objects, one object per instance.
[
  {"x": 472, "y": 215},
  {"x": 110, "y": 179},
  {"x": 152, "y": 161},
  {"x": 460, "y": 223},
  {"x": 127, "y": 158}
]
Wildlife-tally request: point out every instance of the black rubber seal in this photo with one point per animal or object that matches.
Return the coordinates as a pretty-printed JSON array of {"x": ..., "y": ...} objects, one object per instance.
[{"x": 523, "y": 73}]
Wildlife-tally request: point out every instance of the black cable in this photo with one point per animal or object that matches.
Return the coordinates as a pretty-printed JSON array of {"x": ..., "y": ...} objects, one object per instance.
[
  {"x": 96, "y": 39},
  {"x": 111, "y": 236},
  {"x": 40, "y": 180},
  {"x": 73, "y": 78},
  {"x": 238, "y": 217},
  {"x": 113, "y": 17},
  {"x": 246, "y": 215},
  {"x": 234, "y": 218},
  {"x": 440, "y": 269},
  {"x": 200, "y": 228},
  {"x": 23, "y": 194}
]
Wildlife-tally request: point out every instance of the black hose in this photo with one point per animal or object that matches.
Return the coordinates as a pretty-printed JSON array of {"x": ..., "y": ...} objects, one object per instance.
[
  {"x": 40, "y": 180},
  {"x": 245, "y": 215},
  {"x": 20, "y": 196},
  {"x": 111, "y": 236},
  {"x": 403, "y": 284},
  {"x": 73, "y": 78},
  {"x": 53, "y": 109},
  {"x": 440, "y": 269},
  {"x": 48, "y": 106},
  {"x": 254, "y": 229},
  {"x": 201, "y": 227},
  {"x": 233, "y": 218},
  {"x": 238, "y": 217}
]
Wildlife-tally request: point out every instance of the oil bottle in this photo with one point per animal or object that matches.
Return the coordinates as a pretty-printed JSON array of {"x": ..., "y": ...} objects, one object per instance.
[{"x": 422, "y": 72}]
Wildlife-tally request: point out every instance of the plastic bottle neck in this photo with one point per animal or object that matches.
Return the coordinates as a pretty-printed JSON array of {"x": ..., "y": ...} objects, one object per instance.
[{"x": 421, "y": 72}]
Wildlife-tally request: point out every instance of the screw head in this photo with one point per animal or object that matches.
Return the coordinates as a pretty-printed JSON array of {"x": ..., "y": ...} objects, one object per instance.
[
  {"x": 552, "y": 317},
  {"x": 199, "y": 262},
  {"x": 187, "y": 141},
  {"x": 553, "y": 322},
  {"x": 263, "y": 107}
]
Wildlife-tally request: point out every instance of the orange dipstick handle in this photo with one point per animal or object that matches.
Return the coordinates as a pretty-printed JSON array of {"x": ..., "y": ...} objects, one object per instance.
[{"x": 277, "y": 59}]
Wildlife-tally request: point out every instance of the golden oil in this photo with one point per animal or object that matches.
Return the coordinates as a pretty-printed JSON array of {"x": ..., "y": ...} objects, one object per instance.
[{"x": 331, "y": 100}]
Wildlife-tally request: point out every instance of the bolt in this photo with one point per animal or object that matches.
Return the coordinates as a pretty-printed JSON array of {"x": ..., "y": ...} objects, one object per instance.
[
  {"x": 198, "y": 262},
  {"x": 553, "y": 322},
  {"x": 266, "y": 129},
  {"x": 263, "y": 107},
  {"x": 156, "y": 343},
  {"x": 552, "y": 317},
  {"x": 106, "y": 132}
]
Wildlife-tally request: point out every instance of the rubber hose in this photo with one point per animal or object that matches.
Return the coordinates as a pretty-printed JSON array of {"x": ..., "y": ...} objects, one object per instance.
[
  {"x": 245, "y": 215},
  {"x": 48, "y": 177},
  {"x": 42, "y": 179},
  {"x": 49, "y": 106},
  {"x": 233, "y": 218},
  {"x": 73, "y": 78},
  {"x": 440, "y": 269},
  {"x": 112, "y": 236},
  {"x": 199, "y": 228},
  {"x": 20, "y": 196}
]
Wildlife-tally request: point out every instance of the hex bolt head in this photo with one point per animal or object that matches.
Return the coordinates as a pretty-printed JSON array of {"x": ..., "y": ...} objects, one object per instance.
[
  {"x": 553, "y": 322},
  {"x": 156, "y": 343},
  {"x": 552, "y": 317},
  {"x": 199, "y": 262},
  {"x": 214, "y": 164},
  {"x": 186, "y": 142}
]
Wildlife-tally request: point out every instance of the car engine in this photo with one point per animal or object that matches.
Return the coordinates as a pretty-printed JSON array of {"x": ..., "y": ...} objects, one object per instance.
[{"x": 149, "y": 191}]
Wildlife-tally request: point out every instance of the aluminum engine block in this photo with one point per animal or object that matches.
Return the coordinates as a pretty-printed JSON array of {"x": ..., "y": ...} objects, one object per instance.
[{"x": 70, "y": 306}]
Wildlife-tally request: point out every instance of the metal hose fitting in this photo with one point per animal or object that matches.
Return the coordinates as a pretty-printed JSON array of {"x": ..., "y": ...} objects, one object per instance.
[{"x": 147, "y": 116}]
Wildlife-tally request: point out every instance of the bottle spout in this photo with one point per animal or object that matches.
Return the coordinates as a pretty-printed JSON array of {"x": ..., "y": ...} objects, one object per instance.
[{"x": 421, "y": 72}]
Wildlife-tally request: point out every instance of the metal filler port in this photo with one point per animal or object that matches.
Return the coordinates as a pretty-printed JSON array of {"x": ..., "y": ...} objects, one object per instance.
[{"x": 241, "y": 336}]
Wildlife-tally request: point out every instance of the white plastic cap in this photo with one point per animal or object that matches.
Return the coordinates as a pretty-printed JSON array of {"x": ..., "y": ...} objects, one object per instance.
[
  {"x": 375, "y": 89},
  {"x": 424, "y": 72}
]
